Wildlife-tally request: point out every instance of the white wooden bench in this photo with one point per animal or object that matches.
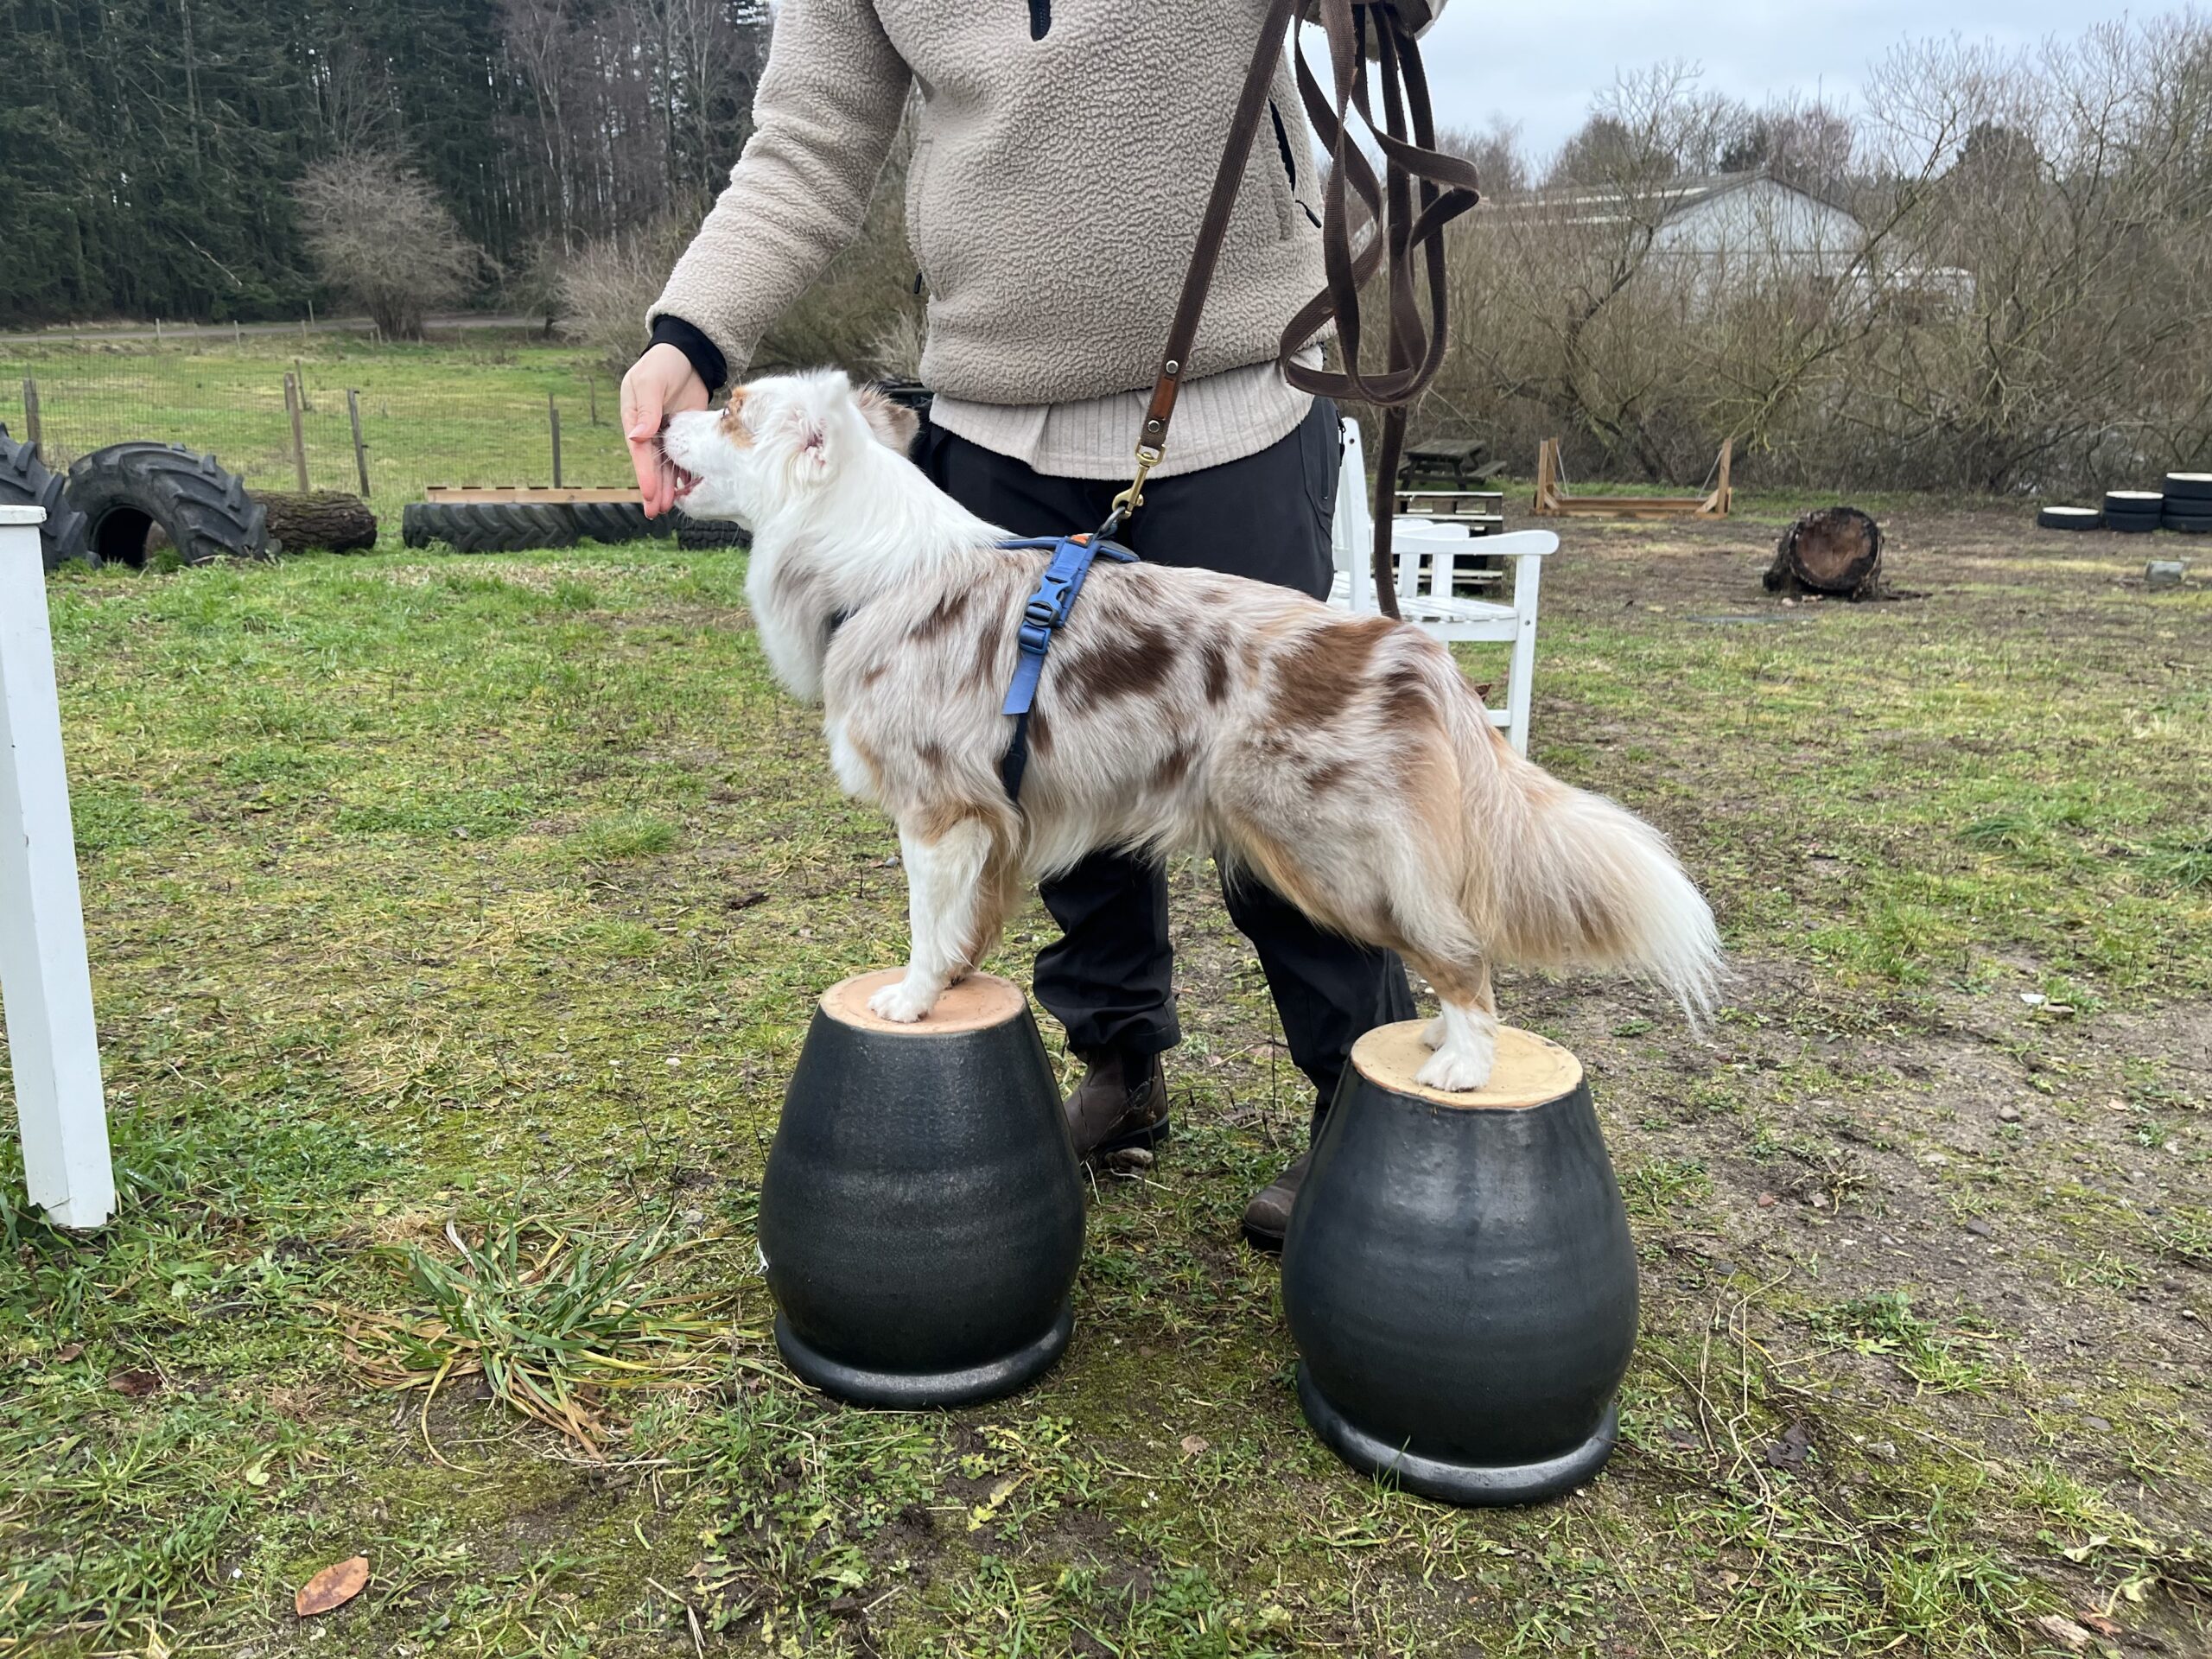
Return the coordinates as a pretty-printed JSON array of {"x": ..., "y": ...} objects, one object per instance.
[
  {"x": 45, "y": 985},
  {"x": 1439, "y": 609}
]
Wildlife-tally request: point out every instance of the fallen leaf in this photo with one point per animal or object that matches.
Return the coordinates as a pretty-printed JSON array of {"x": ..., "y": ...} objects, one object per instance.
[
  {"x": 1194, "y": 1444},
  {"x": 67, "y": 1351},
  {"x": 1789, "y": 1452},
  {"x": 2099, "y": 1624},
  {"x": 2062, "y": 1628},
  {"x": 332, "y": 1587},
  {"x": 137, "y": 1384}
]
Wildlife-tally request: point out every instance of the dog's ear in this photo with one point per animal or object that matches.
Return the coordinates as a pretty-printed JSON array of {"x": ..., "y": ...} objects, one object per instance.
[{"x": 893, "y": 423}]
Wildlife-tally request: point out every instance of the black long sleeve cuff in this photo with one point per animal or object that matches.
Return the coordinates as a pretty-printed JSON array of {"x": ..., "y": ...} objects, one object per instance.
[{"x": 706, "y": 358}]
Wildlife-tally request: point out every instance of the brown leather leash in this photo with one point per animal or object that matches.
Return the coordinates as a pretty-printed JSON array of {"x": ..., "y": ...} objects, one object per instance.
[{"x": 1405, "y": 212}]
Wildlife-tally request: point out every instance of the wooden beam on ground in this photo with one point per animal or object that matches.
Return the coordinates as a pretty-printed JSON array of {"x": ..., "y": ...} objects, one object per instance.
[{"x": 45, "y": 984}]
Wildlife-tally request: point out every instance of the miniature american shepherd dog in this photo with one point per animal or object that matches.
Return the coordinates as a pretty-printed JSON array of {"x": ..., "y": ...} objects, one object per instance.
[{"x": 1342, "y": 760}]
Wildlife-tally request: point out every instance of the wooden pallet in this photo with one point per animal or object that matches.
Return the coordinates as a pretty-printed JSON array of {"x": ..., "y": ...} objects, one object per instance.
[
  {"x": 1553, "y": 500},
  {"x": 451, "y": 494}
]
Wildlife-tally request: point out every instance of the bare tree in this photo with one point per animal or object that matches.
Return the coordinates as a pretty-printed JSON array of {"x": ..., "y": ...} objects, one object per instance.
[
  {"x": 2002, "y": 280},
  {"x": 381, "y": 237},
  {"x": 1500, "y": 163},
  {"x": 606, "y": 287}
]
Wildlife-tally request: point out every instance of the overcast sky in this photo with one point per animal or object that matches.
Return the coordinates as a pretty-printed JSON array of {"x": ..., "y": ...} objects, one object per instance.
[{"x": 1539, "y": 64}]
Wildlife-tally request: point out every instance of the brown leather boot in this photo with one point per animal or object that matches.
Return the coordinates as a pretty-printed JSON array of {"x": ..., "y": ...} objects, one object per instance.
[
  {"x": 1121, "y": 1102},
  {"x": 1267, "y": 1218}
]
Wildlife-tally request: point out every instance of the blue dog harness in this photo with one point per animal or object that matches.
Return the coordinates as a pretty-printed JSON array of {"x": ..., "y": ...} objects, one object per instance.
[{"x": 1045, "y": 615}]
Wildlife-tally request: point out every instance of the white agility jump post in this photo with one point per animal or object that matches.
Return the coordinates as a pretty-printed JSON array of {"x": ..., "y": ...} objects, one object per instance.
[{"x": 44, "y": 980}]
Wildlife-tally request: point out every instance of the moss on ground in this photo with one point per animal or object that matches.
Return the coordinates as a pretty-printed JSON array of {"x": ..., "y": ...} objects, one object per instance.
[{"x": 428, "y": 892}]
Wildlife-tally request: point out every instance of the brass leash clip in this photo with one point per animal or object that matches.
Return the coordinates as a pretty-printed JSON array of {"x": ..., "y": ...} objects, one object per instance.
[{"x": 1133, "y": 498}]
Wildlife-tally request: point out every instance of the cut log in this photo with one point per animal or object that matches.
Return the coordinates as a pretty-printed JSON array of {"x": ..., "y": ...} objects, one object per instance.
[
  {"x": 1836, "y": 552},
  {"x": 323, "y": 519}
]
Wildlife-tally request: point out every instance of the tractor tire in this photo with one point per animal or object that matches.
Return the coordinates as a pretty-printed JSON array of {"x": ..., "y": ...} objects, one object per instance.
[
  {"x": 26, "y": 481},
  {"x": 697, "y": 535},
  {"x": 2191, "y": 487},
  {"x": 2187, "y": 524},
  {"x": 2070, "y": 518},
  {"x": 615, "y": 521},
  {"x": 2132, "y": 523},
  {"x": 128, "y": 490},
  {"x": 488, "y": 526}
]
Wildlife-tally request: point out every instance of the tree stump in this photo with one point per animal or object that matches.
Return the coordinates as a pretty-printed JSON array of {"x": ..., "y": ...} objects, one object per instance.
[
  {"x": 1836, "y": 552},
  {"x": 324, "y": 518}
]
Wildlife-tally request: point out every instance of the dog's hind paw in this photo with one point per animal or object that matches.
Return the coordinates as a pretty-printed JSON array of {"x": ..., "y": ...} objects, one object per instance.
[
  {"x": 1455, "y": 1071},
  {"x": 902, "y": 1003}
]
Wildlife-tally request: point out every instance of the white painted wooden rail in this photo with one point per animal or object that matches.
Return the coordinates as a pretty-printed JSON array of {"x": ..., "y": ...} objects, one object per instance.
[{"x": 44, "y": 982}]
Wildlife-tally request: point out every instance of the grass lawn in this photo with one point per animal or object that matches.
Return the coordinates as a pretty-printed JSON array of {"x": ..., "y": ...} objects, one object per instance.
[
  {"x": 454, "y": 925},
  {"x": 470, "y": 411}
]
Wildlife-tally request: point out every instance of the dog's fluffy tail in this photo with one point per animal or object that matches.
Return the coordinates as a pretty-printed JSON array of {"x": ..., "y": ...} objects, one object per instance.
[{"x": 1565, "y": 878}]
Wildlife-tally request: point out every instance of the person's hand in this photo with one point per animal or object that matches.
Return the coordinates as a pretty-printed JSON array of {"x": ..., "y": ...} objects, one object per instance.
[{"x": 660, "y": 383}]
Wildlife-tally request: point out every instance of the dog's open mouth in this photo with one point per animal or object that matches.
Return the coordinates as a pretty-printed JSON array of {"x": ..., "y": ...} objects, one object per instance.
[{"x": 685, "y": 481}]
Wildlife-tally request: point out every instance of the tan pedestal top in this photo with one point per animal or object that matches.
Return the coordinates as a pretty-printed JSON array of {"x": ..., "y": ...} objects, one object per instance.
[
  {"x": 1531, "y": 1071},
  {"x": 976, "y": 1003}
]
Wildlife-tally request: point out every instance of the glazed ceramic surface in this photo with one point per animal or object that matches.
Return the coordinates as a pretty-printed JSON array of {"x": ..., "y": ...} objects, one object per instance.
[
  {"x": 922, "y": 1213},
  {"x": 1459, "y": 1278}
]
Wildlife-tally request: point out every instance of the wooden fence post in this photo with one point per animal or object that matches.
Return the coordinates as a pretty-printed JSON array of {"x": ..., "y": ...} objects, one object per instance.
[
  {"x": 32, "y": 430},
  {"x": 299, "y": 437},
  {"x": 360, "y": 449},
  {"x": 591, "y": 393},
  {"x": 44, "y": 980},
  {"x": 299, "y": 371},
  {"x": 553, "y": 421}
]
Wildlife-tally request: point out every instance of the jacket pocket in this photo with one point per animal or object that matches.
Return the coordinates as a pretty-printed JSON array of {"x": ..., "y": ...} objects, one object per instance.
[
  {"x": 1040, "y": 18},
  {"x": 1282, "y": 177},
  {"x": 1290, "y": 207},
  {"x": 1321, "y": 444},
  {"x": 917, "y": 167}
]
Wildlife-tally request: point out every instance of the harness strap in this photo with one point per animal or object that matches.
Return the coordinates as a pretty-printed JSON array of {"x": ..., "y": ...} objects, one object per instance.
[{"x": 1050, "y": 602}]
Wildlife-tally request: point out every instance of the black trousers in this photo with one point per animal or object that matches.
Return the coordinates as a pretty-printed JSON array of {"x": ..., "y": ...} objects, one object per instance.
[{"x": 1109, "y": 978}]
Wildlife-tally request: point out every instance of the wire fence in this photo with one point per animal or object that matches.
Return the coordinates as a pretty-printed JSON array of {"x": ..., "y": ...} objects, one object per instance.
[{"x": 381, "y": 428}]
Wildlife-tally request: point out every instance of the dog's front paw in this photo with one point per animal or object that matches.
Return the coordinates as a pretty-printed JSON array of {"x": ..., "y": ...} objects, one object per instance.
[
  {"x": 902, "y": 1003},
  {"x": 1455, "y": 1071},
  {"x": 1431, "y": 1034}
]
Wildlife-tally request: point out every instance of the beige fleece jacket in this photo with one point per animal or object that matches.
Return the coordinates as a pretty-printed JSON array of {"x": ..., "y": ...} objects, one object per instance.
[{"x": 1056, "y": 188}]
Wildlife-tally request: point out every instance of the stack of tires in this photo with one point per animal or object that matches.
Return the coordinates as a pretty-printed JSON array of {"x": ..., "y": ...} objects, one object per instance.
[
  {"x": 2188, "y": 504},
  {"x": 2134, "y": 512},
  {"x": 107, "y": 508}
]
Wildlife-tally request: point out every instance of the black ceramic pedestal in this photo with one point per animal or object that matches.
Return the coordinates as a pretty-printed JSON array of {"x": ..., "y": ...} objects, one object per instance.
[
  {"x": 1459, "y": 1278},
  {"x": 922, "y": 1213}
]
